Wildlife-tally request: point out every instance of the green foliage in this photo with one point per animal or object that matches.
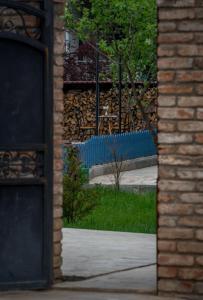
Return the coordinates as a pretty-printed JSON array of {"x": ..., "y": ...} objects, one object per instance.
[
  {"x": 77, "y": 201},
  {"x": 125, "y": 28},
  {"x": 121, "y": 211}
]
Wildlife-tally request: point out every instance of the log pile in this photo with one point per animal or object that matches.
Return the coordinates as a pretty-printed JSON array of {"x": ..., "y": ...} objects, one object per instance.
[{"x": 79, "y": 112}]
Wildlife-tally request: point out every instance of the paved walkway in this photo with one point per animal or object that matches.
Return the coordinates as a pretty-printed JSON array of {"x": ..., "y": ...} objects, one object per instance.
[
  {"x": 109, "y": 260},
  {"x": 139, "y": 177},
  {"x": 70, "y": 295}
]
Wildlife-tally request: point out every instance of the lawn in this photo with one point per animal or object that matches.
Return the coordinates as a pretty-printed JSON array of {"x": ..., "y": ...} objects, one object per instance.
[{"x": 121, "y": 211}]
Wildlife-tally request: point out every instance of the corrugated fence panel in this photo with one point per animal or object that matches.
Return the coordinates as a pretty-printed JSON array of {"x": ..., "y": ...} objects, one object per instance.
[{"x": 103, "y": 149}]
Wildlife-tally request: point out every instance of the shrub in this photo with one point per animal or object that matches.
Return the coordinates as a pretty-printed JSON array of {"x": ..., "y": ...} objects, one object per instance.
[{"x": 77, "y": 201}]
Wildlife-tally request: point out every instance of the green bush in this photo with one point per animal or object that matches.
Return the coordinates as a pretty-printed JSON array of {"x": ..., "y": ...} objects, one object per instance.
[{"x": 78, "y": 202}]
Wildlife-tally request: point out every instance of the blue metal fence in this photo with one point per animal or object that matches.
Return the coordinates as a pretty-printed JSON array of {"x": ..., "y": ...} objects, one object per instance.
[{"x": 101, "y": 149}]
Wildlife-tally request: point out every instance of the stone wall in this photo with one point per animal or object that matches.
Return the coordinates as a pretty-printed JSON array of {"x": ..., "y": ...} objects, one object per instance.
[
  {"x": 180, "y": 109},
  {"x": 58, "y": 132}
]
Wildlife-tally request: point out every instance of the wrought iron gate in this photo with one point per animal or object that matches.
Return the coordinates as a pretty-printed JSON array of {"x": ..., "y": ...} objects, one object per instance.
[{"x": 25, "y": 144}]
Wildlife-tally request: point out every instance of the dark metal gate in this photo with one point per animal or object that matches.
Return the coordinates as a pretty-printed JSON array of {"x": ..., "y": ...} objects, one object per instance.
[{"x": 25, "y": 144}]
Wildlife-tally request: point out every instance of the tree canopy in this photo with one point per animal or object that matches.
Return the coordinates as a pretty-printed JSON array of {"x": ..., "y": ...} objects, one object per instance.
[{"x": 123, "y": 28}]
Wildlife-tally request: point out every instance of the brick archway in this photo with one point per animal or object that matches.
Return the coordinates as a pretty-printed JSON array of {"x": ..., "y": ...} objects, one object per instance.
[{"x": 180, "y": 194}]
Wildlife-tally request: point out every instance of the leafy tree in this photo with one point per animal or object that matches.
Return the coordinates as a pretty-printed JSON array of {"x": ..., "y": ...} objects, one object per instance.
[{"x": 126, "y": 31}]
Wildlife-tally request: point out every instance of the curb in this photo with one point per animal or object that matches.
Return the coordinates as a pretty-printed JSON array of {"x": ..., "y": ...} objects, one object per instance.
[{"x": 128, "y": 165}]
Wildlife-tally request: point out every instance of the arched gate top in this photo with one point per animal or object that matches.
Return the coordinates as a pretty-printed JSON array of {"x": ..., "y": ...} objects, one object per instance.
[{"x": 14, "y": 18}]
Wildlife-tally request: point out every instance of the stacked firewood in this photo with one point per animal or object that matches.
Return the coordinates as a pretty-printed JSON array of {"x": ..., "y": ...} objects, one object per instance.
[{"x": 80, "y": 112}]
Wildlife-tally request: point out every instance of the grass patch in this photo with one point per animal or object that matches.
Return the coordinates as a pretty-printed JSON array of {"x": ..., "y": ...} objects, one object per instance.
[{"x": 121, "y": 211}]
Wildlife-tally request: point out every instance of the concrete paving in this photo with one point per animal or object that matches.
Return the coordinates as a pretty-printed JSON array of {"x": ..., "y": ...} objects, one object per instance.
[
  {"x": 139, "y": 177},
  {"x": 136, "y": 280},
  {"x": 109, "y": 260},
  {"x": 93, "y": 252},
  {"x": 71, "y": 295}
]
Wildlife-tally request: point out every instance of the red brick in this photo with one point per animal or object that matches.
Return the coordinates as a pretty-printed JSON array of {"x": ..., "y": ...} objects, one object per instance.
[
  {"x": 199, "y": 38},
  {"x": 175, "y": 209},
  {"x": 194, "y": 25},
  {"x": 200, "y": 184},
  {"x": 175, "y": 233},
  {"x": 176, "y": 185},
  {"x": 192, "y": 221},
  {"x": 167, "y": 26},
  {"x": 58, "y": 71},
  {"x": 190, "y": 50},
  {"x": 174, "y": 138},
  {"x": 189, "y": 126},
  {"x": 57, "y": 249},
  {"x": 176, "y": 14},
  {"x": 58, "y": 224},
  {"x": 167, "y": 100},
  {"x": 167, "y": 126},
  {"x": 167, "y": 197},
  {"x": 199, "y": 260},
  {"x": 57, "y": 261},
  {"x": 199, "y": 288},
  {"x": 166, "y": 246},
  {"x": 198, "y": 62},
  {"x": 166, "y": 149},
  {"x": 190, "y": 150},
  {"x": 190, "y": 274},
  {"x": 190, "y": 247},
  {"x": 175, "y": 63},
  {"x": 200, "y": 114},
  {"x": 199, "y": 138},
  {"x": 175, "y": 260},
  {"x": 168, "y": 221},
  {"x": 190, "y": 101},
  {"x": 58, "y": 212},
  {"x": 58, "y": 118},
  {"x": 175, "y": 160},
  {"x": 167, "y": 272},
  {"x": 199, "y": 13},
  {"x": 166, "y": 50},
  {"x": 175, "y": 89},
  {"x": 176, "y": 113},
  {"x": 199, "y": 232},
  {"x": 199, "y": 89},
  {"x": 166, "y": 76},
  {"x": 190, "y": 173},
  {"x": 58, "y": 189},
  {"x": 57, "y": 236},
  {"x": 59, "y": 106},
  {"x": 171, "y": 38},
  {"x": 176, "y": 3},
  {"x": 192, "y": 76},
  {"x": 192, "y": 197},
  {"x": 58, "y": 60},
  {"x": 167, "y": 172},
  {"x": 175, "y": 286}
]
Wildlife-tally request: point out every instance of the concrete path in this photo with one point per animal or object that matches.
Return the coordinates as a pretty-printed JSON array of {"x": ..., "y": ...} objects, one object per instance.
[
  {"x": 109, "y": 260},
  {"x": 93, "y": 252},
  {"x": 139, "y": 177},
  {"x": 70, "y": 295}
]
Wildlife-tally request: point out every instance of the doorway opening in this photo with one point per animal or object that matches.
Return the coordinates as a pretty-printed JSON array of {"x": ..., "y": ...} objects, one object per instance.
[{"x": 110, "y": 174}]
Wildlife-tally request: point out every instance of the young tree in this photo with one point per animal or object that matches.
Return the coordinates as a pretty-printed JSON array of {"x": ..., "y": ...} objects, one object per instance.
[
  {"x": 126, "y": 31},
  {"x": 77, "y": 201}
]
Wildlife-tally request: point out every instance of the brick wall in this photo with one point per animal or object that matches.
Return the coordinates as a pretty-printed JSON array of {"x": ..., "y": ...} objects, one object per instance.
[
  {"x": 58, "y": 132},
  {"x": 180, "y": 196}
]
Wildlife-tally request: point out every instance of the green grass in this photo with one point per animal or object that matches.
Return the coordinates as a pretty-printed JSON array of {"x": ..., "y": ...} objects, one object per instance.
[{"x": 121, "y": 211}]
